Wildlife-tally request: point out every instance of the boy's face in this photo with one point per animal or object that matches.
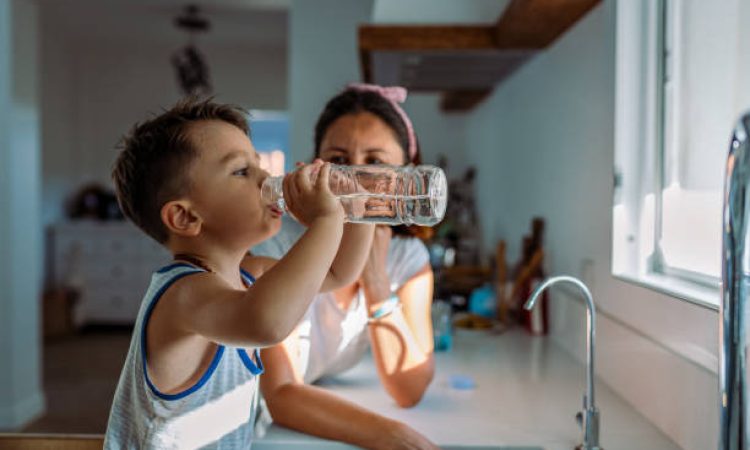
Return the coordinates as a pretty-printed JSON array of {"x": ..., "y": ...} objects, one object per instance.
[{"x": 225, "y": 181}]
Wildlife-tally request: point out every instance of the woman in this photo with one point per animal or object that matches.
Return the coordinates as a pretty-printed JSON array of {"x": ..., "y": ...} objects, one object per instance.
[{"x": 387, "y": 309}]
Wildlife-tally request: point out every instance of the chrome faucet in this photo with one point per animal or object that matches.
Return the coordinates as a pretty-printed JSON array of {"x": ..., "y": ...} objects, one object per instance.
[
  {"x": 589, "y": 417},
  {"x": 733, "y": 313}
]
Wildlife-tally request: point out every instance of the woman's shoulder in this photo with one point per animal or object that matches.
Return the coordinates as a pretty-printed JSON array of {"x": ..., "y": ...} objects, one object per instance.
[
  {"x": 277, "y": 246},
  {"x": 407, "y": 254},
  {"x": 408, "y": 244}
]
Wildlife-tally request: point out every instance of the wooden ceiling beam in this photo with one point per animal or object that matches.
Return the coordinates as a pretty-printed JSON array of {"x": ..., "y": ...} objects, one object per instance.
[
  {"x": 420, "y": 37},
  {"x": 524, "y": 25},
  {"x": 535, "y": 24},
  {"x": 426, "y": 37},
  {"x": 461, "y": 101}
]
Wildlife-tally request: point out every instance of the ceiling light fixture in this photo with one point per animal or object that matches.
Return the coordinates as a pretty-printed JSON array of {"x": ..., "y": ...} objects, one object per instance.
[{"x": 191, "y": 68}]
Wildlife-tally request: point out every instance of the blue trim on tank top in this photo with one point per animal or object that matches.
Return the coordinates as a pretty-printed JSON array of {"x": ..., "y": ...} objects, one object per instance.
[
  {"x": 147, "y": 315},
  {"x": 255, "y": 369},
  {"x": 247, "y": 275},
  {"x": 169, "y": 267},
  {"x": 251, "y": 366},
  {"x": 248, "y": 363}
]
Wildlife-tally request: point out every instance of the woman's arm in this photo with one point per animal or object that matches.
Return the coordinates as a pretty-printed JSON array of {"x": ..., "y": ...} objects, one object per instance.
[
  {"x": 402, "y": 341},
  {"x": 351, "y": 256},
  {"x": 315, "y": 411},
  {"x": 346, "y": 267}
]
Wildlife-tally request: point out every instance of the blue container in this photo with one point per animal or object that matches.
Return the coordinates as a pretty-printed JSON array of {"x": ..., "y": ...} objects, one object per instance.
[{"x": 482, "y": 301}]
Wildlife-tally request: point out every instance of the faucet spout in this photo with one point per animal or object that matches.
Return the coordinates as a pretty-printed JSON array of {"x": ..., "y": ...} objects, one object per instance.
[
  {"x": 733, "y": 343},
  {"x": 590, "y": 416}
]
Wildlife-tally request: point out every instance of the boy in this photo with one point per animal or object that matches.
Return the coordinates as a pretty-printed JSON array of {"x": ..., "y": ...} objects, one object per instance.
[{"x": 190, "y": 179}]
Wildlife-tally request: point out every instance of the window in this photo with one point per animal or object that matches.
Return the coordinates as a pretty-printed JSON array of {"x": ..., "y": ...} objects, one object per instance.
[
  {"x": 270, "y": 135},
  {"x": 272, "y": 162},
  {"x": 682, "y": 71}
]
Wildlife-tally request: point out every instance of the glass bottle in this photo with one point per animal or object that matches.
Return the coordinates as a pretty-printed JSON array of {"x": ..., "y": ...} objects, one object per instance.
[{"x": 379, "y": 193}]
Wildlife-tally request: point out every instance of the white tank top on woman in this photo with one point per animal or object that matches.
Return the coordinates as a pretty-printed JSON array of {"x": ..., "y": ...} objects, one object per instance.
[
  {"x": 217, "y": 412},
  {"x": 332, "y": 340}
]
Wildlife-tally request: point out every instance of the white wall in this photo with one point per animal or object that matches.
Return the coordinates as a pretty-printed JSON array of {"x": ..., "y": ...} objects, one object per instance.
[
  {"x": 323, "y": 59},
  {"x": 438, "y": 11},
  {"x": 94, "y": 90},
  {"x": 438, "y": 132},
  {"x": 544, "y": 144},
  {"x": 21, "y": 398}
]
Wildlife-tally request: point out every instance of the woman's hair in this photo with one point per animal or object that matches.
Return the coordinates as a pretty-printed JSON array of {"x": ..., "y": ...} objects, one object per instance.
[
  {"x": 355, "y": 100},
  {"x": 382, "y": 103}
]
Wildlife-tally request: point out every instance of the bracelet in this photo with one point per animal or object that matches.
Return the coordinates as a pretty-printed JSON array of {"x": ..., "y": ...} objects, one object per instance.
[{"x": 385, "y": 309}]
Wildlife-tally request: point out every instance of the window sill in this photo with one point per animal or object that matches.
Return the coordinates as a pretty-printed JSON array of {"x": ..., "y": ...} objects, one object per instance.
[{"x": 697, "y": 294}]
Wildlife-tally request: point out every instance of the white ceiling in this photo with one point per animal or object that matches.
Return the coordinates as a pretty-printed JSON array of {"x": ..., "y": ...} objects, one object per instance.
[
  {"x": 438, "y": 11},
  {"x": 238, "y": 22}
]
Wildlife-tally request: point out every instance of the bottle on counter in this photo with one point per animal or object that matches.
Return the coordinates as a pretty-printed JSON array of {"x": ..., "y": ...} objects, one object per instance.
[
  {"x": 536, "y": 321},
  {"x": 442, "y": 325},
  {"x": 379, "y": 193}
]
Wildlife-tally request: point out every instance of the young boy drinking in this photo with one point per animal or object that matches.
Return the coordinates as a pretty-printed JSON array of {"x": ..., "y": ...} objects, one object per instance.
[{"x": 190, "y": 179}]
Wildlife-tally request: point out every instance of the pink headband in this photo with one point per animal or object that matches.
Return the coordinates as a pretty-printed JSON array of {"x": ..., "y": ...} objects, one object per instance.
[{"x": 394, "y": 95}]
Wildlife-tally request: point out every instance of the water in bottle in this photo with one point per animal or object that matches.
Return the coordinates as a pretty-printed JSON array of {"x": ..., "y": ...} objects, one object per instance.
[{"x": 378, "y": 193}]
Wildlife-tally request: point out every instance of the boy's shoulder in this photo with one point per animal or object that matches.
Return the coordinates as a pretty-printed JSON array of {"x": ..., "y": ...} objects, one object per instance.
[{"x": 183, "y": 284}]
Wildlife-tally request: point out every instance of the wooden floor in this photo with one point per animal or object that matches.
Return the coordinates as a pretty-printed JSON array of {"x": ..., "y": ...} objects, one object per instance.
[
  {"x": 80, "y": 376},
  {"x": 25, "y": 441}
]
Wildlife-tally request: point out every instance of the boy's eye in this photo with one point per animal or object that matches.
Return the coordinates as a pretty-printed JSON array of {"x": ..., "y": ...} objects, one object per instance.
[
  {"x": 241, "y": 172},
  {"x": 374, "y": 160}
]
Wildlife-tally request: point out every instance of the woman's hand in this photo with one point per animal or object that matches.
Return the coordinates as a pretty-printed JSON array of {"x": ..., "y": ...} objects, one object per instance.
[
  {"x": 403, "y": 437},
  {"x": 306, "y": 200},
  {"x": 374, "y": 278}
]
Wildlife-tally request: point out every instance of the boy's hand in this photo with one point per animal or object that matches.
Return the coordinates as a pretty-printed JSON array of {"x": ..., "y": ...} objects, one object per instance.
[{"x": 306, "y": 200}]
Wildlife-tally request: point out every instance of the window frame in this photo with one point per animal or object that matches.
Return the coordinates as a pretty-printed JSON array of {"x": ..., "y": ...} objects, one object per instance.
[{"x": 640, "y": 157}]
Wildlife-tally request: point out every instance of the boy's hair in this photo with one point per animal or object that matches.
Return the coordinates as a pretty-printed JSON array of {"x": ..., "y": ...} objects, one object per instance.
[{"x": 154, "y": 158}]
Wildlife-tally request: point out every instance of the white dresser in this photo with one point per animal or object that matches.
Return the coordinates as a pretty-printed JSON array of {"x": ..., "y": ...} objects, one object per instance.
[{"x": 108, "y": 263}]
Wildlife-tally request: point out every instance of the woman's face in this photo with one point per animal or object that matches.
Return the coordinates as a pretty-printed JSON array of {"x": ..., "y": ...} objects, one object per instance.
[{"x": 361, "y": 138}]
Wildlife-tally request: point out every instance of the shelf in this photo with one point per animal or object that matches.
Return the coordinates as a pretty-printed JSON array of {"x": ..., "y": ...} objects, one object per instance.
[{"x": 465, "y": 62}]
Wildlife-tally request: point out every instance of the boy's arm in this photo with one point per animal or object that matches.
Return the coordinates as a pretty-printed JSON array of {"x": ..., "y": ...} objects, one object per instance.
[
  {"x": 269, "y": 310},
  {"x": 313, "y": 410},
  {"x": 351, "y": 257}
]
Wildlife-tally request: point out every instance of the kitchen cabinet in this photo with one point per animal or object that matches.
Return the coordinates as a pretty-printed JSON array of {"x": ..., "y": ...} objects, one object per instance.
[{"x": 108, "y": 264}]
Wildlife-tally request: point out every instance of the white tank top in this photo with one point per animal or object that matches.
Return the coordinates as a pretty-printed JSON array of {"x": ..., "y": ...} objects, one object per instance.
[
  {"x": 332, "y": 340},
  {"x": 217, "y": 412}
]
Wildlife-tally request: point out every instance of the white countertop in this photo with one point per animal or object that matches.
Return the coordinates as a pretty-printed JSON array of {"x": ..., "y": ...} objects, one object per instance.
[{"x": 527, "y": 394}]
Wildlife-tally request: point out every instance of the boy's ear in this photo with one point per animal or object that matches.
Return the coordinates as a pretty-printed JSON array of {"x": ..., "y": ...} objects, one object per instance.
[{"x": 180, "y": 218}]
